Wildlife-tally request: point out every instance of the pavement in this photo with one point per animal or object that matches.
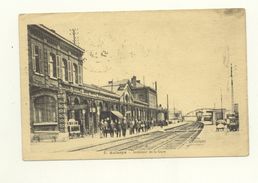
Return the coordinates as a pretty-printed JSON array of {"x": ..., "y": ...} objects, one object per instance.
[
  {"x": 49, "y": 147},
  {"x": 212, "y": 140}
]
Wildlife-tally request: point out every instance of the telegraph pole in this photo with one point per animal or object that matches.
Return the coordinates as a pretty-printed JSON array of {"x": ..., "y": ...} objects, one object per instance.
[
  {"x": 75, "y": 35},
  {"x": 168, "y": 106},
  {"x": 221, "y": 103},
  {"x": 174, "y": 108},
  {"x": 167, "y": 102},
  {"x": 232, "y": 89}
]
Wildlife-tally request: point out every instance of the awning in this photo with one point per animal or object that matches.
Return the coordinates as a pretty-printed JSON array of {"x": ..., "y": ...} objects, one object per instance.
[{"x": 118, "y": 114}]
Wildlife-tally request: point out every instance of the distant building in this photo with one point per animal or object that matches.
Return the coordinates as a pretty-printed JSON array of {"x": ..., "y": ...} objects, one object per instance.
[
  {"x": 175, "y": 115},
  {"x": 141, "y": 100},
  {"x": 206, "y": 114},
  {"x": 144, "y": 93}
]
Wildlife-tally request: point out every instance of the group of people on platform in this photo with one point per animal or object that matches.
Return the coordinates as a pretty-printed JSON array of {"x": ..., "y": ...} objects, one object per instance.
[{"x": 119, "y": 127}]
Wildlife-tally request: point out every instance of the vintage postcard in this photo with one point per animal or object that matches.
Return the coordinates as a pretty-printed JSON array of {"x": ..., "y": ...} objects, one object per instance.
[{"x": 141, "y": 84}]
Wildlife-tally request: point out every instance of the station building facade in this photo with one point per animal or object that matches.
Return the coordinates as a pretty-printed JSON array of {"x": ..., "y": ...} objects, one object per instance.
[
  {"x": 58, "y": 93},
  {"x": 140, "y": 101}
]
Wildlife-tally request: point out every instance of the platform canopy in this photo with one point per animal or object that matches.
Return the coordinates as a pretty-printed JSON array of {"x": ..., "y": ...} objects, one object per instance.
[{"x": 118, "y": 114}]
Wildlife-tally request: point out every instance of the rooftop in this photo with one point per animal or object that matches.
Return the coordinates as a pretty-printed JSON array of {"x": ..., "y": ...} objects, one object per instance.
[
  {"x": 55, "y": 34},
  {"x": 118, "y": 85},
  {"x": 99, "y": 89}
]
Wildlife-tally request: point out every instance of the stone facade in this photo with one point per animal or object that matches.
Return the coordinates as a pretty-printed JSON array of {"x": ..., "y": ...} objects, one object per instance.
[
  {"x": 58, "y": 93},
  {"x": 142, "y": 99}
]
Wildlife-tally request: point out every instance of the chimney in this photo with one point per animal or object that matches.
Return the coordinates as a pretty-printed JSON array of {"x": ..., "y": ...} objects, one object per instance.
[{"x": 133, "y": 81}]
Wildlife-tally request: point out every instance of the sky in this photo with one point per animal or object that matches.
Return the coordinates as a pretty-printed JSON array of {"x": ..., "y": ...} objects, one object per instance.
[{"x": 188, "y": 53}]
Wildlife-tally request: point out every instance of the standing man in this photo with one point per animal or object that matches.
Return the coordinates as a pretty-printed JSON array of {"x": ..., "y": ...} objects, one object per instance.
[
  {"x": 105, "y": 128},
  {"x": 112, "y": 128},
  {"x": 123, "y": 126},
  {"x": 118, "y": 128},
  {"x": 101, "y": 128}
]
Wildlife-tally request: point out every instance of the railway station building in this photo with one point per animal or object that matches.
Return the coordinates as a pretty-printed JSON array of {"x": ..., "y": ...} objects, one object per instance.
[
  {"x": 58, "y": 93},
  {"x": 139, "y": 101}
]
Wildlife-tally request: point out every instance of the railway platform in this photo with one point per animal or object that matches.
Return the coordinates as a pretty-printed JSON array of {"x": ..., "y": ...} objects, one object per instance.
[
  {"x": 91, "y": 140},
  {"x": 211, "y": 139}
]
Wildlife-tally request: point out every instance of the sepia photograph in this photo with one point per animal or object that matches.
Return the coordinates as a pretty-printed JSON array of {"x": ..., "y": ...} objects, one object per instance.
[{"x": 134, "y": 84}]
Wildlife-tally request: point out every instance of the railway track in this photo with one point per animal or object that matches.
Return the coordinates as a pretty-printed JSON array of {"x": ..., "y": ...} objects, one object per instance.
[
  {"x": 172, "y": 138},
  {"x": 182, "y": 138}
]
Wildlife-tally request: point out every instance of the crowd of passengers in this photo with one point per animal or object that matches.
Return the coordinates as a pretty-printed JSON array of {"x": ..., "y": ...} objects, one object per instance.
[{"x": 119, "y": 128}]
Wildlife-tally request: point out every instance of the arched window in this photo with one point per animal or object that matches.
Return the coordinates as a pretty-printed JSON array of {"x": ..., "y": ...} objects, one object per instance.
[
  {"x": 100, "y": 106},
  {"x": 45, "y": 109},
  {"x": 76, "y": 101},
  {"x": 52, "y": 63},
  {"x": 105, "y": 106},
  {"x": 75, "y": 73},
  {"x": 65, "y": 70},
  {"x": 126, "y": 98}
]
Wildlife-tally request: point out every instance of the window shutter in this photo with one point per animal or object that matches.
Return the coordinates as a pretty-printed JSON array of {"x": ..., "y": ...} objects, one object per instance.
[
  {"x": 82, "y": 74},
  {"x": 33, "y": 57},
  {"x": 71, "y": 66},
  {"x": 57, "y": 66},
  {"x": 48, "y": 60},
  {"x": 61, "y": 65},
  {"x": 69, "y": 70},
  {"x": 45, "y": 61},
  {"x": 79, "y": 74},
  {"x": 41, "y": 61}
]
